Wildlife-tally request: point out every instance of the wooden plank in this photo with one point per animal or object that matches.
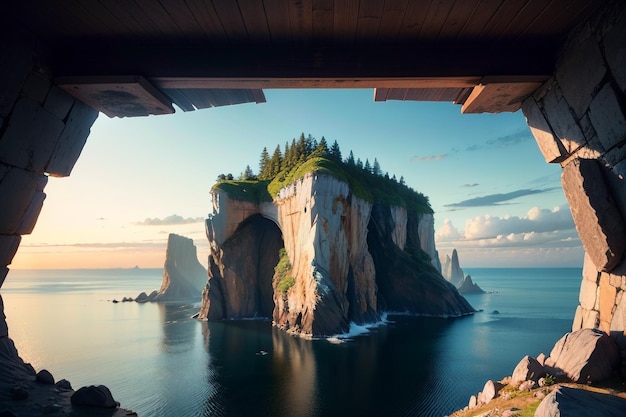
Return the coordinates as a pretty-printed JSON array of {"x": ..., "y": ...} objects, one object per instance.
[
  {"x": 118, "y": 96},
  {"x": 380, "y": 94},
  {"x": 208, "y": 20},
  {"x": 370, "y": 14},
  {"x": 482, "y": 15},
  {"x": 345, "y": 21},
  {"x": 253, "y": 14},
  {"x": 301, "y": 20},
  {"x": 127, "y": 12},
  {"x": 557, "y": 18},
  {"x": 524, "y": 18},
  {"x": 499, "y": 21},
  {"x": 436, "y": 17},
  {"x": 460, "y": 14},
  {"x": 414, "y": 19},
  {"x": 155, "y": 13},
  {"x": 184, "y": 18},
  {"x": 179, "y": 98},
  {"x": 266, "y": 83},
  {"x": 277, "y": 15},
  {"x": 498, "y": 97},
  {"x": 391, "y": 20},
  {"x": 323, "y": 20}
]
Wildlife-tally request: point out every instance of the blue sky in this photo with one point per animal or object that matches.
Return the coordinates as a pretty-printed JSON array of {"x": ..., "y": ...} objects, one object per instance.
[{"x": 495, "y": 199}]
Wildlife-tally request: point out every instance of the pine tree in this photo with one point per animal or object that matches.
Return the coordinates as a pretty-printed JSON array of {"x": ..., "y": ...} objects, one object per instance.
[
  {"x": 359, "y": 163},
  {"x": 275, "y": 162},
  {"x": 264, "y": 163},
  {"x": 402, "y": 180},
  {"x": 322, "y": 146},
  {"x": 376, "y": 167},
  {"x": 350, "y": 161},
  {"x": 247, "y": 174},
  {"x": 334, "y": 151},
  {"x": 367, "y": 166},
  {"x": 301, "y": 148}
]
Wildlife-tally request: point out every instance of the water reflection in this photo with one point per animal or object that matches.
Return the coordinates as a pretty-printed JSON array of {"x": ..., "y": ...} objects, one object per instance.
[
  {"x": 393, "y": 371},
  {"x": 179, "y": 331}
]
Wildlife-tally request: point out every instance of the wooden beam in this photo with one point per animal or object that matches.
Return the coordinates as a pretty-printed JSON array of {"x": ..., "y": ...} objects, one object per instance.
[
  {"x": 498, "y": 97},
  {"x": 313, "y": 64},
  {"x": 339, "y": 82}
]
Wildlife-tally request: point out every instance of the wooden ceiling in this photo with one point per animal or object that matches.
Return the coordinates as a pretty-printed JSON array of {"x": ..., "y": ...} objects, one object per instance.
[{"x": 427, "y": 49}]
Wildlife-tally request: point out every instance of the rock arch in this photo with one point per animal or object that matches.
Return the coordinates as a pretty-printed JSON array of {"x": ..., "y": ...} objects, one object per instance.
[{"x": 578, "y": 117}]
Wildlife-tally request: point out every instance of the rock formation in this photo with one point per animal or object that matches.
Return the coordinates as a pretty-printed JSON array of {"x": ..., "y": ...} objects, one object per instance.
[
  {"x": 183, "y": 276},
  {"x": 469, "y": 287},
  {"x": 347, "y": 260},
  {"x": 452, "y": 270}
]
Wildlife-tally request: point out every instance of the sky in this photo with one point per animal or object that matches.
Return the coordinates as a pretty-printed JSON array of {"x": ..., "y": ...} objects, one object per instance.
[{"x": 138, "y": 179}]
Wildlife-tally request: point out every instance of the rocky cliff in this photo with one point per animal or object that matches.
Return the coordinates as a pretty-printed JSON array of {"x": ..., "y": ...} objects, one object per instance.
[
  {"x": 346, "y": 260},
  {"x": 183, "y": 276}
]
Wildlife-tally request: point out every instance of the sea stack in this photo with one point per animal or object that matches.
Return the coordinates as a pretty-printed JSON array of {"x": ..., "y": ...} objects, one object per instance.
[
  {"x": 183, "y": 276},
  {"x": 319, "y": 252},
  {"x": 452, "y": 270}
]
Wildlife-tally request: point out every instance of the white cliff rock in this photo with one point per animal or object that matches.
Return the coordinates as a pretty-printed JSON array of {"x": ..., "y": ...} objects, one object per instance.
[
  {"x": 426, "y": 232},
  {"x": 452, "y": 270}
]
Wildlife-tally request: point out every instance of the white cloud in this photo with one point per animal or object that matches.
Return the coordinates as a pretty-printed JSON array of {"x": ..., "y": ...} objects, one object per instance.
[
  {"x": 536, "y": 221},
  {"x": 174, "y": 219},
  {"x": 540, "y": 228},
  {"x": 447, "y": 232}
]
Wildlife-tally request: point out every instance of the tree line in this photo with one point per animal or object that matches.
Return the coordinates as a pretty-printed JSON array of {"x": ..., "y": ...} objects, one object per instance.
[{"x": 299, "y": 151}]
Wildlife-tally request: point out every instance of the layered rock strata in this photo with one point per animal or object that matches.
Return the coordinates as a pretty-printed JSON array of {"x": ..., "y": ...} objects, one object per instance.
[{"x": 348, "y": 260}]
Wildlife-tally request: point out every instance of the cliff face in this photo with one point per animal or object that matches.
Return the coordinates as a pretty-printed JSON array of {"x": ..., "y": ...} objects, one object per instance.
[
  {"x": 183, "y": 276},
  {"x": 347, "y": 261}
]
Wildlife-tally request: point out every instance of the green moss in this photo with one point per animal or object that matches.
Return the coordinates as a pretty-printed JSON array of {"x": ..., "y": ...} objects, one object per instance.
[
  {"x": 363, "y": 184},
  {"x": 281, "y": 271},
  {"x": 245, "y": 190}
]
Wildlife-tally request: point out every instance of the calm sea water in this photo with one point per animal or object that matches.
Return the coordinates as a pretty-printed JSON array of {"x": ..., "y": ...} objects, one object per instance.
[{"x": 159, "y": 362}]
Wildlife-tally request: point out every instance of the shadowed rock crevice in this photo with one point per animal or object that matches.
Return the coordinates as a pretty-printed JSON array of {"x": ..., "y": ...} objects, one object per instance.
[{"x": 241, "y": 272}]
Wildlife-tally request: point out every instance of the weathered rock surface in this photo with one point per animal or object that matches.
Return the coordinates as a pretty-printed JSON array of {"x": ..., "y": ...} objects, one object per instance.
[
  {"x": 584, "y": 356},
  {"x": 598, "y": 220},
  {"x": 528, "y": 369},
  {"x": 349, "y": 261},
  {"x": 565, "y": 401},
  {"x": 469, "y": 287},
  {"x": 426, "y": 233},
  {"x": 183, "y": 276},
  {"x": 452, "y": 270}
]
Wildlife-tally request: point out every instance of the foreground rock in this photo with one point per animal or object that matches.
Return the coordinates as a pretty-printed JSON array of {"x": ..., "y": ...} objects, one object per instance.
[
  {"x": 25, "y": 392},
  {"x": 566, "y": 401},
  {"x": 587, "y": 356},
  {"x": 345, "y": 260},
  {"x": 183, "y": 276},
  {"x": 584, "y": 356}
]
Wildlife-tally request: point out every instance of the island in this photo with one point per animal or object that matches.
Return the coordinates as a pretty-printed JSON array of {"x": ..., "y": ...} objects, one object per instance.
[{"x": 316, "y": 242}]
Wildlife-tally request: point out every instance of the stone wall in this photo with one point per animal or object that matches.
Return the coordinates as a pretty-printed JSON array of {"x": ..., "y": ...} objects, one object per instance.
[
  {"x": 42, "y": 132},
  {"x": 578, "y": 118}
]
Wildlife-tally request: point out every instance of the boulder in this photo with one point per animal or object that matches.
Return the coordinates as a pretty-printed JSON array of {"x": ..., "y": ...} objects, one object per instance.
[
  {"x": 527, "y": 385},
  {"x": 44, "y": 377},
  {"x": 94, "y": 396},
  {"x": 566, "y": 401},
  {"x": 64, "y": 385},
  {"x": 584, "y": 356},
  {"x": 528, "y": 369},
  {"x": 472, "y": 402},
  {"x": 490, "y": 391}
]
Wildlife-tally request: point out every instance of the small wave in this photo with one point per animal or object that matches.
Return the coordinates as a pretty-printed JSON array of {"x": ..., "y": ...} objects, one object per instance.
[{"x": 358, "y": 330}]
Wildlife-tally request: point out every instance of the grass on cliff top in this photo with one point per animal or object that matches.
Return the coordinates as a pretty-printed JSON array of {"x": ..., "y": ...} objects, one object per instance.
[
  {"x": 363, "y": 184},
  {"x": 245, "y": 190}
]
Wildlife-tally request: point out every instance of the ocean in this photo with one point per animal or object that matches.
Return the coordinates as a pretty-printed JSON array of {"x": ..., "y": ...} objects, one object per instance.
[{"x": 158, "y": 361}]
